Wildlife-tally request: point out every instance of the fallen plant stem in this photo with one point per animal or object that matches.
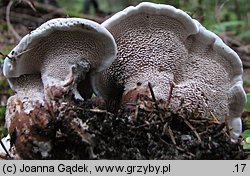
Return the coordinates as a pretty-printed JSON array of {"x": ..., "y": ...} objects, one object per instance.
[
  {"x": 178, "y": 148},
  {"x": 146, "y": 124},
  {"x": 192, "y": 128},
  {"x": 154, "y": 100},
  {"x": 198, "y": 121},
  {"x": 170, "y": 93},
  {"x": 6, "y": 151},
  {"x": 153, "y": 95},
  {"x": 216, "y": 120},
  {"x": 5, "y": 56},
  {"x": 136, "y": 111},
  {"x": 182, "y": 150},
  {"x": 10, "y": 27},
  {"x": 100, "y": 111},
  {"x": 227, "y": 132},
  {"x": 171, "y": 134}
]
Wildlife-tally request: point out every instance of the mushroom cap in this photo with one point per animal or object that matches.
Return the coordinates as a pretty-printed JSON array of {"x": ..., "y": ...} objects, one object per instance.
[
  {"x": 58, "y": 47},
  {"x": 163, "y": 45},
  {"x": 56, "y": 56}
]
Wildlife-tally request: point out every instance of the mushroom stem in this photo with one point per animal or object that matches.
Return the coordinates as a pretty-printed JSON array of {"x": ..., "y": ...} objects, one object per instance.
[{"x": 57, "y": 89}]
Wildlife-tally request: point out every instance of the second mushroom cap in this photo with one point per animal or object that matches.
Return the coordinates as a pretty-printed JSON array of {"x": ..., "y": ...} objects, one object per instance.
[{"x": 186, "y": 64}]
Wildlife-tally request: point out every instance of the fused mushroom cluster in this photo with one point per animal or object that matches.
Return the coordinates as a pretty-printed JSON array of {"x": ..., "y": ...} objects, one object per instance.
[{"x": 185, "y": 63}]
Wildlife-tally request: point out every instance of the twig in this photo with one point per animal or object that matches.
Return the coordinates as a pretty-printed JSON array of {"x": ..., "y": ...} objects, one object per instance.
[
  {"x": 216, "y": 120},
  {"x": 31, "y": 4},
  {"x": 152, "y": 116},
  {"x": 179, "y": 148},
  {"x": 100, "y": 111},
  {"x": 170, "y": 93},
  {"x": 50, "y": 109},
  {"x": 153, "y": 96},
  {"x": 182, "y": 150},
  {"x": 136, "y": 111},
  {"x": 6, "y": 151},
  {"x": 155, "y": 102},
  {"x": 227, "y": 132},
  {"x": 10, "y": 27},
  {"x": 198, "y": 121},
  {"x": 226, "y": 125},
  {"x": 140, "y": 126},
  {"x": 171, "y": 134},
  {"x": 2, "y": 54},
  {"x": 131, "y": 104},
  {"x": 164, "y": 142},
  {"x": 6, "y": 56},
  {"x": 209, "y": 143},
  {"x": 146, "y": 124},
  {"x": 192, "y": 128}
]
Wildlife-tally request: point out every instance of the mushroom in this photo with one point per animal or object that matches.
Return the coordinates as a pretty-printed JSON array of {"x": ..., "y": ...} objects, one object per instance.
[
  {"x": 47, "y": 67},
  {"x": 62, "y": 51},
  {"x": 186, "y": 64}
]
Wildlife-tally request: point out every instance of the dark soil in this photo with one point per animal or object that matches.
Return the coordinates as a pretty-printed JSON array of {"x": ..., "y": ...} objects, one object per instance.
[{"x": 141, "y": 134}]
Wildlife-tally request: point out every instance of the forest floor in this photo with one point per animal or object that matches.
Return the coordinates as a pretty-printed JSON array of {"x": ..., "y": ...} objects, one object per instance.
[{"x": 156, "y": 133}]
